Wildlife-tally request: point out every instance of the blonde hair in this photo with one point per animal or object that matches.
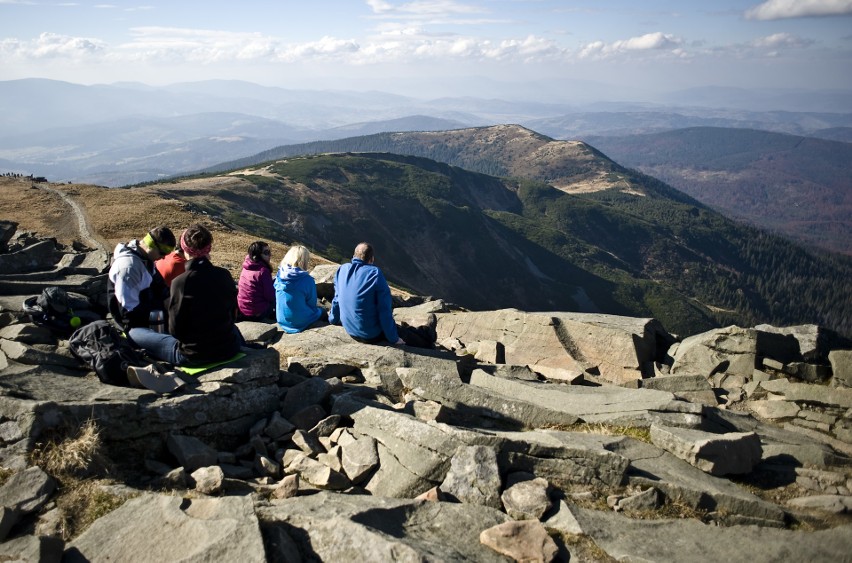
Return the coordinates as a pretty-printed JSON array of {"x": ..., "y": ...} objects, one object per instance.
[{"x": 297, "y": 256}]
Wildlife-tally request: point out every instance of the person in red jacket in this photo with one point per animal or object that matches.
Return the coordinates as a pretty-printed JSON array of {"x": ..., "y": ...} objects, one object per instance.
[
  {"x": 256, "y": 294},
  {"x": 172, "y": 265}
]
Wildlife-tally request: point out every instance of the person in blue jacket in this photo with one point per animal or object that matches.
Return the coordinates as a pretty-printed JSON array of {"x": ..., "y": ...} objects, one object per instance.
[
  {"x": 362, "y": 300},
  {"x": 296, "y": 292}
]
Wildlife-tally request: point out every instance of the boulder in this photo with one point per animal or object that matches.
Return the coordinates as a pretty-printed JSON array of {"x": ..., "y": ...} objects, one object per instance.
[
  {"x": 474, "y": 477},
  {"x": 731, "y": 350},
  {"x": 191, "y": 452},
  {"x": 527, "y": 500},
  {"x": 716, "y": 454},
  {"x": 841, "y": 366},
  {"x": 620, "y": 348},
  {"x": 359, "y": 458},
  {"x": 808, "y": 342},
  {"x": 208, "y": 480},
  {"x": 522, "y": 541}
]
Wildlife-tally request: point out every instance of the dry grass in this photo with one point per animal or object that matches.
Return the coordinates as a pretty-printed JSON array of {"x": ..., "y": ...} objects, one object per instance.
[
  {"x": 117, "y": 215},
  {"x": 584, "y": 548},
  {"x": 77, "y": 461},
  {"x": 641, "y": 434},
  {"x": 81, "y": 504},
  {"x": 77, "y": 456}
]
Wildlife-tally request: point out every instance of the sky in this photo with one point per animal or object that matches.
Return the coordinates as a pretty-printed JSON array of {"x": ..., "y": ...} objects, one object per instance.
[{"x": 432, "y": 48}]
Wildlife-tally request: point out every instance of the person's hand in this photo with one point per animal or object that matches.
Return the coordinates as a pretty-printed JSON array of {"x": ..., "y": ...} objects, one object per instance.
[{"x": 399, "y": 342}]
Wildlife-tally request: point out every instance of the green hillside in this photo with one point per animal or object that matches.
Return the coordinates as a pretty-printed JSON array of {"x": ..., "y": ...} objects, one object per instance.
[{"x": 485, "y": 242}]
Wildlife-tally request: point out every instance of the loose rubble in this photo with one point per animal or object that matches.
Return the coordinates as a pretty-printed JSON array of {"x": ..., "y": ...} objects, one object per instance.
[{"x": 522, "y": 436}]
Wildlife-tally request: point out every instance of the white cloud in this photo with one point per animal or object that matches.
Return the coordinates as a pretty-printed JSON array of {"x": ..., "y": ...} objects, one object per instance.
[
  {"x": 52, "y": 45},
  {"x": 422, "y": 8},
  {"x": 781, "y": 9},
  {"x": 782, "y": 40},
  {"x": 657, "y": 41}
]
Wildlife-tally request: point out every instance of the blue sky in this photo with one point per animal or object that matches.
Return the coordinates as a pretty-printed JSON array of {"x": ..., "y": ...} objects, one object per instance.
[{"x": 435, "y": 47}]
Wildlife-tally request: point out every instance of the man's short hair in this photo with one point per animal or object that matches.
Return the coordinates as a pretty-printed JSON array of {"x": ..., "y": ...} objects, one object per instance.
[
  {"x": 197, "y": 237},
  {"x": 364, "y": 251},
  {"x": 163, "y": 237}
]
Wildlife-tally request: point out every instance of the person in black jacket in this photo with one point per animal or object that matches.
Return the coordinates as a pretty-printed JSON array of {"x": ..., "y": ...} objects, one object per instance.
[{"x": 202, "y": 310}]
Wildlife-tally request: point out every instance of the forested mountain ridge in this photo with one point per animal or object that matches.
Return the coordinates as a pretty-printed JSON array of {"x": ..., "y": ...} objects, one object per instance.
[
  {"x": 639, "y": 248},
  {"x": 499, "y": 150},
  {"x": 798, "y": 186}
]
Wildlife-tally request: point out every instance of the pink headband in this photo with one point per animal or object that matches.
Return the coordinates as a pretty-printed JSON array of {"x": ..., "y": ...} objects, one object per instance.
[{"x": 191, "y": 252}]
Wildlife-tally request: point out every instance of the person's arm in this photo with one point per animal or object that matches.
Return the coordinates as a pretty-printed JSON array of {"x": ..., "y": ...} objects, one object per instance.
[
  {"x": 268, "y": 290},
  {"x": 384, "y": 303},
  {"x": 128, "y": 284},
  {"x": 334, "y": 312}
]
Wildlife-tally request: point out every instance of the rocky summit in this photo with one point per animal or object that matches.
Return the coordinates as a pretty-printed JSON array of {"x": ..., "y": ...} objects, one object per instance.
[{"x": 522, "y": 436}]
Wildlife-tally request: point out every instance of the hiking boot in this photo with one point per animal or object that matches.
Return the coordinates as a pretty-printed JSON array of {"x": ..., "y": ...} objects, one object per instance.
[{"x": 150, "y": 378}]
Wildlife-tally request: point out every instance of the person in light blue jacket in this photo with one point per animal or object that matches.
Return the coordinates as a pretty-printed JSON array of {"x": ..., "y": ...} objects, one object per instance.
[{"x": 296, "y": 292}]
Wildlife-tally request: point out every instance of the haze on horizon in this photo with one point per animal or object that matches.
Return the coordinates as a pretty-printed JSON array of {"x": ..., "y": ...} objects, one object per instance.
[{"x": 433, "y": 48}]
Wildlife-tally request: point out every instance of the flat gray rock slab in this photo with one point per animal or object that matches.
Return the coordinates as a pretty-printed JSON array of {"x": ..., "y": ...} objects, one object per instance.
[
  {"x": 716, "y": 454},
  {"x": 591, "y": 404},
  {"x": 651, "y": 466},
  {"x": 336, "y": 527},
  {"x": 688, "y": 541},
  {"x": 169, "y": 528},
  {"x": 506, "y": 406}
]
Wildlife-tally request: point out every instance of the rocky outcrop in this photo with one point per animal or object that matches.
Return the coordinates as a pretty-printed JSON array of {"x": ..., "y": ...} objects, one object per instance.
[{"x": 321, "y": 448}]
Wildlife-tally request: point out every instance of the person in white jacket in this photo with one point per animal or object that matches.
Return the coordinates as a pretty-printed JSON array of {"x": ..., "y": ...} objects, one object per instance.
[{"x": 134, "y": 285}]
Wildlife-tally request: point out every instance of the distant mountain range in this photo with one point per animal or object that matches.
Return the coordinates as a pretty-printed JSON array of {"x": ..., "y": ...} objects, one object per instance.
[
  {"x": 126, "y": 133},
  {"x": 609, "y": 239},
  {"x": 798, "y": 186}
]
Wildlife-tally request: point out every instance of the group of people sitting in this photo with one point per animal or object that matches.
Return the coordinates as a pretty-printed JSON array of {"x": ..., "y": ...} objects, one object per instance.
[{"x": 161, "y": 276}]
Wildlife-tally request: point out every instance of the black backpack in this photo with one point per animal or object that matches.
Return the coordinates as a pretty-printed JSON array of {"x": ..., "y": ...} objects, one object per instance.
[
  {"x": 107, "y": 351},
  {"x": 52, "y": 309}
]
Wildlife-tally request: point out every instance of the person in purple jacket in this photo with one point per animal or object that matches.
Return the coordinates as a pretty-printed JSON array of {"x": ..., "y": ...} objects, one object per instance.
[
  {"x": 256, "y": 294},
  {"x": 296, "y": 293}
]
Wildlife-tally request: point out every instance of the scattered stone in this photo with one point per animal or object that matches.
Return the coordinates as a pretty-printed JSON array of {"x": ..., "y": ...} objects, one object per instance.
[
  {"x": 326, "y": 426},
  {"x": 278, "y": 426},
  {"x": 318, "y": 474},
  {"x": 288, "y": 487},
  {"x": 267, "y": 467},
  {"x": 191, "y": 452},
  {"x": 208, "y": 480},
  {"x": 527, "y": 500},
  {"x": 474, "y": 477},
  {"x": 774, "y": 410},
  {"x": 307, "y": 442},
  {"x": 562, "y": 519},
  {"x": 523, "y": 541},
  {"x": 359, "y": 458},
  {"x": 308, "y": 417},
  {"x": 310, "y": 392},
  {"x": 644, "y": 501}
]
